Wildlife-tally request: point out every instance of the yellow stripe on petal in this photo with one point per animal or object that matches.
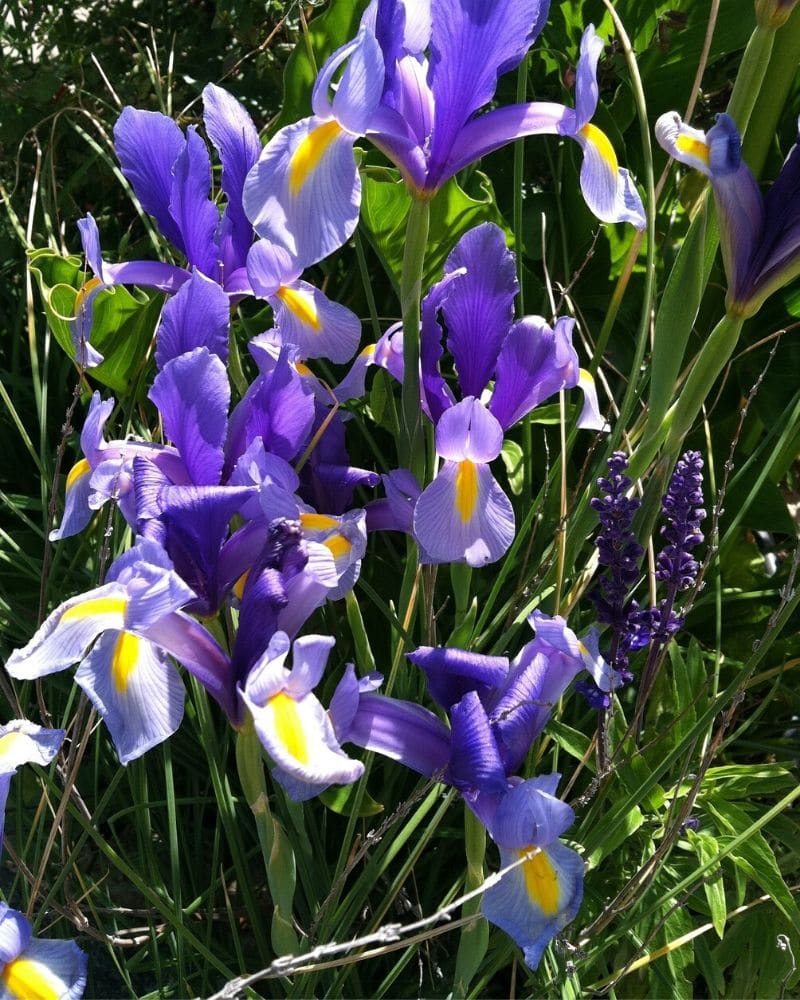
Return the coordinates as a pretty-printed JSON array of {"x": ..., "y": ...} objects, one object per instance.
[
  {"x": 124, "y": 660},
  {"x": 368, "y": 352},
  {"x": 301, "y": 305},
  {"x": 288, "y": 726},
  {"x": 541, "y": 881},
  {"x": 302, "y": 370},
  {"x": 238, "y": 587},
  {"x": 318, "y": 522},
  {"x": 78, "y": 471},
  {"x": 84, "y": 292},
  {"x": 96, "y": 607},
  {"x": 338, "y": 545},
  {"x": 29, "y": 980},
  {"x": 307, "y": 156},
  {"x": 690, "y": 146},
  {"x": 466, "y": 489},
  {"x": 10, "y": 741},
  {"x": 600, "y": 141}
]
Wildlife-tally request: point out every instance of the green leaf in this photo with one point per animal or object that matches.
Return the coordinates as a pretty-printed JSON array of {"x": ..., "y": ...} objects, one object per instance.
[
  {"x": 514, "y": 461},
  {"x": 340, "y": 799},
  {"x": 707, "y": 849},
  {"x": 385, "y": 203},
  {"x": 743, "y": 781},
  {"x": 123, "y": 321}
]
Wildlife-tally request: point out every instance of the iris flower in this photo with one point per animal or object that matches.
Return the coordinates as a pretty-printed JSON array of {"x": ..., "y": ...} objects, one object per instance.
[
  {"x": 22, "y": 742},
  {"x": 422, "y": 111},
  {"x": 759, "y": 234},
  {"x": 33, "y": 968}
]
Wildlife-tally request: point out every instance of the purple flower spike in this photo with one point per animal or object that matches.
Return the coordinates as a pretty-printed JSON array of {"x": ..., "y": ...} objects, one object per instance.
[{"x": 620, "y": 554}]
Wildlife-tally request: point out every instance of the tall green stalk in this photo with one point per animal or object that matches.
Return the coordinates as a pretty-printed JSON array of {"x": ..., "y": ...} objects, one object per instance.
[{"x": 412, "y": 445}]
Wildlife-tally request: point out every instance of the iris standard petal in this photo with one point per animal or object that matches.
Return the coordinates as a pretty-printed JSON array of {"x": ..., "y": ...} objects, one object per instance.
[
  {"x": 452, "y": 672},
  {"x": 90, "y": 241},
  {"x": 309, "y": 657},
  {"x": 468, "y": 431},
  {"x": 192, "y": 393},
  {"x": 318, "y": 327},
  {"x": 587, "y": 93},
  {"x": 136, "y": 691},
  {"x": 269, "y": 265},
  {"x": 191, "y": 207},
  {"x": 197, "y": 316},
  {"x": 305, "y": 192},
  {"x": 472, "y": 44},
  {"x": 479, "y": 309},
  {"x": 147, "y": 145},
  {"x": 464, "y": 516},
  {"x": 475, "y": 762},
  {"x": 360, "y": 88}
]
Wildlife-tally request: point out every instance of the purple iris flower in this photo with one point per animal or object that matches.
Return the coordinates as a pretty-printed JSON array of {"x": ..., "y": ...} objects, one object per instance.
[
  {"x": 120, "y": 634},
  {"x": 32, "y": 967},
  {"x": 759, "y": 234},
  {"x": 464, "y": 516},
  {"x": 22, "y": 742},
  {"x": 422, "y": 111}
]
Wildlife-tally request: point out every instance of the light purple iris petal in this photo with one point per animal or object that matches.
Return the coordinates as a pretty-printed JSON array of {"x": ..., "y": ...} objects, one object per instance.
[
  {"x": 136, "y": 691},
  {"x": 147, "y": 273},
  {"x": 344, "y": 703},
  {"x": 389, "y": 351},
  {"x": 353, "y": 385},
  {"x": 234, "y": 135},
  {"x": 305, "y": 594},
  {"x": 413, "y": 97},
  {"x": 28, "y": 744},
  {"x": 309, "y": 657},
  {"x": 90, "y": 241},
  {"x": 154, "y": 589},
  {"x": 590, "y": 417},
  {"x": 318, "y": 327},
  {"x": 56, "y": 645},
  {"x": 359, "y": 91},
  {"x": 65, "y": 964},
  {"x": 452, "y": 672},
  {"x": 80, "y": 327},
  {"x": 436, "y": 394},
  {"x": 198, "y": 316},
  {"x": 77, "y": 512},
  {"x": 269, "y": 266},
  {"x": 587, "y": 93},
  {"x": 472, "y": 44},
  {"x": 535, "y": 362},
  {"x": 308, "y": 205},
  {"x": 402, "y": 731},
  {"x": 522, "y": 907},
  {"x": 608, "y": 189},
  {"x": 148, "y": 144},
  {"x": 479, "y": 308},
  {"x": 192, "y": 394},
  {"x": 468, "y": 431},
  {"x": 472, "y": 523},
  {"x": 15, "y": 933},
  {"x": 194, "y": 212}
]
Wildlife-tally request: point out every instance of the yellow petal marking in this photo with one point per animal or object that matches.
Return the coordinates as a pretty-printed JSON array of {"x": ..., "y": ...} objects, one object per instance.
[
  {"x": 600, "y": 141},
  {"x": 78, "y": 471},
  {"x": 303, "y": 370},
  {"x": 690, "y": 146},
  {"x": 338, "y": 545},
  {"x": 9, "y": 741},
  {"x": 124, "y": 660},
  {"x": 288, "y": 727},
  {"x": 301, "y": 305},
  {"x": 307, "y": 156},
  {"x": 30, "y": 980},
  {"x": 368, "y": 351},
  {"x": 84, "y": 291},
  {"x": 466, "y": 490},
  {"x": 541, "y": 881},
  {"x": 238, "y": 587},
  {"x": 97, "y": 606},
  {"x": 318, "y": 522}
]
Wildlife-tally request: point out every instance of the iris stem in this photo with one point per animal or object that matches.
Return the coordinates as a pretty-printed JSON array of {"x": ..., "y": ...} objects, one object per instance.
[
  {"x": 275, "y": 847},
  {"x": 474, "y": 936},
  {"x": 412, "y": 450}
]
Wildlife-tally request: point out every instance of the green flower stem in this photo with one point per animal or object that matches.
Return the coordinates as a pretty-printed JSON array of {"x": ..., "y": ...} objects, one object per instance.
[
  {"x": 752, "y": 70},
  {"x": 412, "y": 449},
  {"x": 475, "y": 936},
  {"x": 713, "y": 357},
  {"x": 275, "y": 846}
]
